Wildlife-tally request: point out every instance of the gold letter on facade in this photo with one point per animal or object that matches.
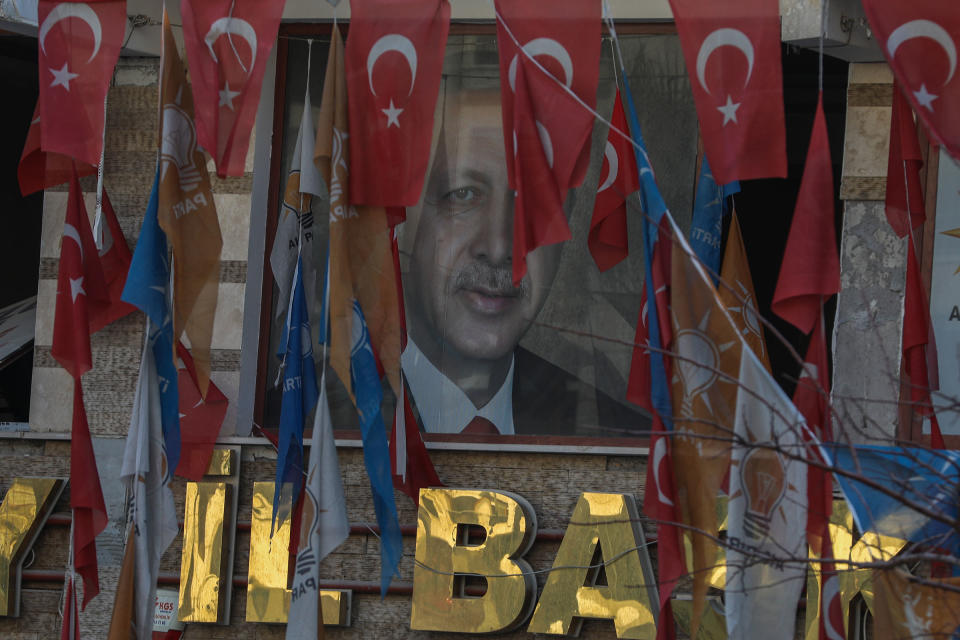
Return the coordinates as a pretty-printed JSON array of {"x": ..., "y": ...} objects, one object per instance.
[
  {"x": 871, "y": 547},
  {"x": 25, "y": 508},
  {"x": 268, "y": 599},
  {"x": 628, "y": 597},
  {"x": 206, "y": 571},
  {"x": 451, "y": 551}
]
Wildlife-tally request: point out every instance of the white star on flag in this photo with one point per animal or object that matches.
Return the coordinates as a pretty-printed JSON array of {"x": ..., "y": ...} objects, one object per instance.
[
  {"x": 729, "y": 111},
  {"x": 924, "y": 97},
  {"x": 392, "y": 113},
  {"x": 62, "y": 77},
  {"x": 227, "y": 96},
  {"x": 76, "y": 288}
]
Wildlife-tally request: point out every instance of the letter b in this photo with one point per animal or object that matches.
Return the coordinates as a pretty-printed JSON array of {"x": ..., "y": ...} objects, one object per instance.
[{"x": 445, "y": 551}]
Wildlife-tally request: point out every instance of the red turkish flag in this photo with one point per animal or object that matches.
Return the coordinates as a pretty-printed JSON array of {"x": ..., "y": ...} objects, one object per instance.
[
  {"x": 904, "y": 205},
  {"x": 394, "y": 59},
  {"x": 920, "y": 39},
  {"x": 566, "y": 42},
  {"x": 919, "y": 347},
  {"x": 732, "y": 52},
  {"x": 81, "y": 288},
  {"x": 69, "y": 627},
  {"x": 659, "y": 503},
  {"x": 79, "y": 44},
  {"x": 200, "y": 419},
  {"x": 608, "y": 228},
  {"x": 811, "y": 267},
  {"x": 38, "y": 169},
  {"x": 228, "y": 43},
  {"x": 115, "y": 261},
  {"x": 639, "y": 381},
  {"x": 812, "y": 399},
  {"x": 418, "y": 472},
  {"x": 86, "y": 498},
  {"x": 538, "y": 216}
]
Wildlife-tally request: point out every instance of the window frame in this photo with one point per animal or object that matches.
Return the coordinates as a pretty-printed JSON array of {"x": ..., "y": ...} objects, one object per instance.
[{"x": 627, "y": 446}]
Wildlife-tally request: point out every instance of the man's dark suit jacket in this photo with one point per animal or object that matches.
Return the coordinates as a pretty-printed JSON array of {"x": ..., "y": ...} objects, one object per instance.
[{"x": 546, "y": 402}]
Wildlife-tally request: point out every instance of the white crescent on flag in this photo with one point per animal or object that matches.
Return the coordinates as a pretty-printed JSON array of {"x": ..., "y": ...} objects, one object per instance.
[
  {"x": 725, "y": 37},
  {"x": 70, "y": 231},
  {"x": 613, "y": 162},
  {"x": 546, "y": 142},
  {"x": 234, "y": 26},
  {"x": 830, "y": 596},
  {"x": 659, "y": 453},
  {"x": 924, "y": 29},
  {"x": 66, "y": 10},
  {"x": 393, "y": 42},
  {"x": 547, "y": 47}
]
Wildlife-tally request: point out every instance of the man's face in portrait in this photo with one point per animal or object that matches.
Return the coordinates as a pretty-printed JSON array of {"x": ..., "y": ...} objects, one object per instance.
[{"x": 461, "y": 302}]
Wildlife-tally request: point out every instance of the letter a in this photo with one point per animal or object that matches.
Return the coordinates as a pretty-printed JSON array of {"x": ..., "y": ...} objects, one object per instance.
[{"x": 610, "y": 521}]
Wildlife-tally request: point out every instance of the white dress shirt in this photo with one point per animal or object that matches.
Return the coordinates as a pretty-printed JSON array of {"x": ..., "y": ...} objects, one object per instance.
[{"x": 443, "y": 406}]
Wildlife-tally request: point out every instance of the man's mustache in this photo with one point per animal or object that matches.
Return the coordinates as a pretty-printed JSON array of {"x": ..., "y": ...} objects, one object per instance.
[{"x": 490, "y": 280}]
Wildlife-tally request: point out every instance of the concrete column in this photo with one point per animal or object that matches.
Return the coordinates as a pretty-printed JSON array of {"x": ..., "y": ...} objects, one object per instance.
[{"x": 867, "y": 333}]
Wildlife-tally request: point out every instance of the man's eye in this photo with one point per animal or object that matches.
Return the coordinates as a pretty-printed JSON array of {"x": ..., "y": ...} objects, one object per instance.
[{"x": 462, "y": 196}]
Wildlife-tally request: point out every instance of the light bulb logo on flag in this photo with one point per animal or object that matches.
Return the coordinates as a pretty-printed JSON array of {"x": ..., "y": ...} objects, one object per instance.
[
  {"x": 763, "y": 479},
  {"x": 696, "y": 366},
  {"x": 747, "y": 312},
  {"x": 179, "y": 147}
]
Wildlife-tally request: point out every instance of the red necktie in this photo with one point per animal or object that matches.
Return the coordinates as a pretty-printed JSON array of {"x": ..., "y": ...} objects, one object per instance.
[{"x": 481, "y": 426}]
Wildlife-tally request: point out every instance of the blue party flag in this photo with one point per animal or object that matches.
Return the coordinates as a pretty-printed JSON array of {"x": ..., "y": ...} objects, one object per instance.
[
  {"x": 706, "y": 228},
  {"x": 883, "y": 487},
  {"x": 365, "y": 380},
  {"x": 300, "y": 392},
  {"x": 148, "y": 288}
]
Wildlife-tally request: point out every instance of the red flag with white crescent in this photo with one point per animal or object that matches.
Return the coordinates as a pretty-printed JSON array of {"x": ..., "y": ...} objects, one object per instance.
[
  {"x": 831, "y": 604},
  {"x": 79, "y": 43},
  {"x": 732, "y": 52},
  {"x": 920, "y": 40},
  {"x": 39, "y": 169},
  {"x": 394, "y": 59},
  {"x": 659, "y": 502},
  {"x": 639, "y": 381},
  {"x": 566, "y": 42},
  {"x": 538, "y": 216},
  {"x": 200, "y": 418},
  {"x": 904, "y": 199},
  {"x": 115, "y": 259},
  {"x": 86, "y": 499},
  {"x": 608, "y": 228},
  {"x": 412, "y": 468},
  {"x": 228, "y": 43},
  {"x": 81, "y": 288}
]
